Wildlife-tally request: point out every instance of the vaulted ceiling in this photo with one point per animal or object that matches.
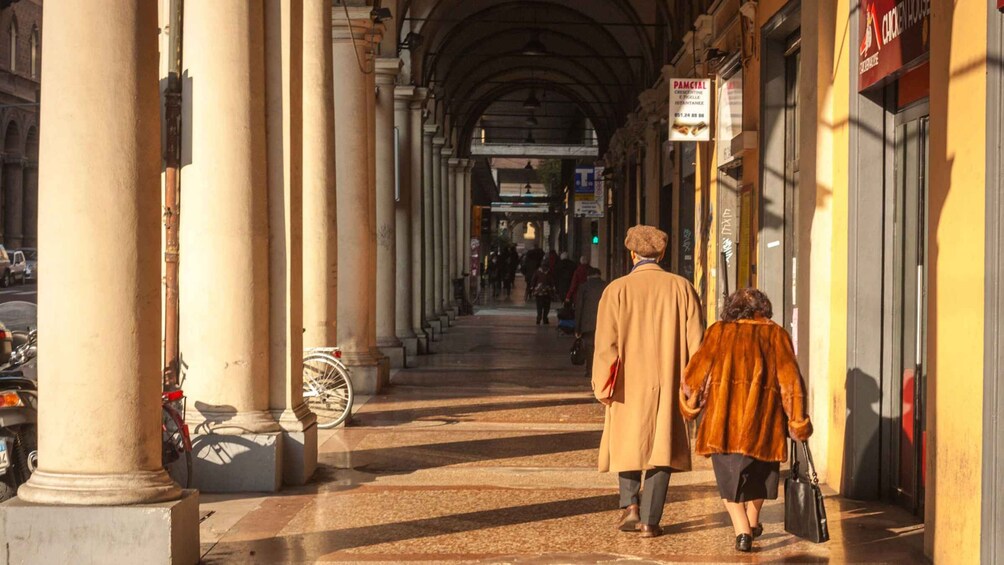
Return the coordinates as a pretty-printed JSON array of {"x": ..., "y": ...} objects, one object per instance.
[{"x": 482, "y": 59}]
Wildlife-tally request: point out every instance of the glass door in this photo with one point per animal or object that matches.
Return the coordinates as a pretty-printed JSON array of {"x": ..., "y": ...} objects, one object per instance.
[
  {"x": 792, "y": 127},
  {"x": 910, "y": 304}
]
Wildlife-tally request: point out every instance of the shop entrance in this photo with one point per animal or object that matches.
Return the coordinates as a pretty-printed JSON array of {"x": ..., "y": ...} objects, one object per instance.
[{"x": 909, "y": 307}]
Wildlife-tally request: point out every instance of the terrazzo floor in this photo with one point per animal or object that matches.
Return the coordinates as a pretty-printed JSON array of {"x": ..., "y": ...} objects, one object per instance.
[{"x": 485, "y": 452}]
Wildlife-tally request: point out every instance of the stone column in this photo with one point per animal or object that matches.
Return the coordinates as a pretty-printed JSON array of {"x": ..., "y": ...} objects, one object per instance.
[
  {"x": 451, "y": 222},
  {"x": 320, "y": 226},
  {"x": 459, "y": 246},
  {"x": 417, "y": 222},
  {"x": 429, "y": 150},
  {"x": 438, "y": 236},
  {"x": 356, "y": 216},
  {"x": 404, "y": 288},
  {"x": 468, "y": 214},
  {"x": 386, "y": 216},
  {"x": 13, "y": 175},
  {"x": 448, "y": 181},
  {"x": 30, "y": 215},
  {"x": 102, "y": 340},
  {"x": 223, "y": 280},
  {"x": 284, "y": 127}
]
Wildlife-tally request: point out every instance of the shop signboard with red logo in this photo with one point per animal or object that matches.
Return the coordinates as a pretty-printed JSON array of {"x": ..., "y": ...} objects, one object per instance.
[{"x": 895, "y": 34}]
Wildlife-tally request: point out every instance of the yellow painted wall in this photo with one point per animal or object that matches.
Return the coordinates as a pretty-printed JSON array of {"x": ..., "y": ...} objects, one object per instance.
[
  {"x": 834, "y": 112},
  {"x": 955, "y": 297}
]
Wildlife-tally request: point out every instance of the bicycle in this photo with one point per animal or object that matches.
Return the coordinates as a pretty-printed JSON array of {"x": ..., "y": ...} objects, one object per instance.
[
  {"x": 176, "y": 442},
  {"x": 327, "y": 386}
]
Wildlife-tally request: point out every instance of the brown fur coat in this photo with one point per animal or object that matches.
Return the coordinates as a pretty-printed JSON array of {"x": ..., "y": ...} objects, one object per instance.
[{"x": 745, "y": 378}]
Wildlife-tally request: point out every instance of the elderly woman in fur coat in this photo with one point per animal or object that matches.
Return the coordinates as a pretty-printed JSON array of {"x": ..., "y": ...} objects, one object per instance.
[{"x": 745, "y": 379}]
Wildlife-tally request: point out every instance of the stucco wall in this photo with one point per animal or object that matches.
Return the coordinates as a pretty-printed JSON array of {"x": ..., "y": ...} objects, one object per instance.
[{"x": 955, "y": 298}]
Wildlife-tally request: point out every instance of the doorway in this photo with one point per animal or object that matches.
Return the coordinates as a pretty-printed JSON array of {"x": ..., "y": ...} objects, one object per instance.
[{"x": 909, "y": 307}]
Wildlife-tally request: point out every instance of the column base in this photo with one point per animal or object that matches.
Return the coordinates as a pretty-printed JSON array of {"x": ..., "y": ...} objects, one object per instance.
[
  {"x": 370, "y": 371},
  {"x": 452, "y": 313},
  {"x": 436, "y": 328},
  {"x": 423, "y": 344},
  {"x": 164, "y": 533},
  {"x": 410, "y": 348},
  {"x": 299, "y": 444},
  {"x": 106, "y": 489},
  {"x": 248, "y": 462},
  {"x": 444, "y": 321},
  {"x": 395, "y": 355}
]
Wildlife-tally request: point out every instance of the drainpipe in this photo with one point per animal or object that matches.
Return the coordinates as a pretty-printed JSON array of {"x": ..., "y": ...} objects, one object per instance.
[{"x": 172, "y": 161}]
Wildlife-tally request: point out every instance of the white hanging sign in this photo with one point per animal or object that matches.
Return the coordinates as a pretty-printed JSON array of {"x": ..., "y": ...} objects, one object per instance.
[{"x": 690, "y": 109}]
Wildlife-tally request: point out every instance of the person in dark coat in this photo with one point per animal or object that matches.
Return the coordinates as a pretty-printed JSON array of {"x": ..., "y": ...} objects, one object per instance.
[
  {"x": 532, "y": 260},
  {"x": 543, "y": 292},
  {"x": 578, "y": 277},
  {"x": 563, "y": 276},
  {"x": 587, "y": 302}
]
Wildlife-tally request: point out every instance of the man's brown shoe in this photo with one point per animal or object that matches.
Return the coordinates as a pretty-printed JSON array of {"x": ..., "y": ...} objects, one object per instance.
[
  {"x": 650, "y": 530},
  {"x": 629, "y": 520}
]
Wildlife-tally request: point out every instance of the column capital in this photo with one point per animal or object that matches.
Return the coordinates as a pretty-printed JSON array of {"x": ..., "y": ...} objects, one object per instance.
[
  {"x": 438, "y": 141},
  {"x": 404, "y": 93},
  {"x": 446, "y": 151},
  {"x": 463, "y": 162},
  {"x": 430, "y": 130},
  {"x": 14, "y": 160},
  {"x": 454, "y": 162},
  {"x": 356, "y": 27},
  {"x": 387, "y": 69}
]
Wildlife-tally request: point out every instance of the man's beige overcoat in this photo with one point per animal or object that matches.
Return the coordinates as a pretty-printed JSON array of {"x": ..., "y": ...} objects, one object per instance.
[{"x": 651, "y": 320}]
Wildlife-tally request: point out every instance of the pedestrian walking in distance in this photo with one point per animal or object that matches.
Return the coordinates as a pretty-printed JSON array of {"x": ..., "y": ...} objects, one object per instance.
[
  {"x": 745, "y": 379},
  {"x": 648, "y": 326},
  {"x": 587, "y": 303},
  {"x": 543, "y": 291}
]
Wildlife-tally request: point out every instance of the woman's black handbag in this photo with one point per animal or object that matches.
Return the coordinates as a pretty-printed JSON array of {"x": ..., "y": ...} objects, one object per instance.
[
  {"x": 578, "y": 352},
  {"x": 804, "y": 512}
]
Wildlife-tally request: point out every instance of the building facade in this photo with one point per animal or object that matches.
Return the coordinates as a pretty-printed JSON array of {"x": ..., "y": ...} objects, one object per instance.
[
  {"x": 20, "y": 93},
  {"x": 853, "y": 174}
]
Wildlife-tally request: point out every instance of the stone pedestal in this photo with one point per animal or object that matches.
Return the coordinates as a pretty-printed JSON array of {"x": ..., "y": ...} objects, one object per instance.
[
  {"x": 164, "y": 533},
  {"x": 237, "y": 462}
]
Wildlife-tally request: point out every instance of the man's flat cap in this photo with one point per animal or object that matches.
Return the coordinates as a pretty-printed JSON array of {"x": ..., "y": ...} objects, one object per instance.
[{"x": 646, "y": 241}]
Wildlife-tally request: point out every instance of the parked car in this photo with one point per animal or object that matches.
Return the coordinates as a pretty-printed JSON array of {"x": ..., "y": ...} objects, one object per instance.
[
  {"x": 18, "y": 267},
  {"x": 12, "y": 267},
  {"x": 31, "y": 270}
]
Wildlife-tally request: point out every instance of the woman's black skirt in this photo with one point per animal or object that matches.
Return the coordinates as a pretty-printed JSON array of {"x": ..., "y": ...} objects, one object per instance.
[{"x": 742, "y": 478}]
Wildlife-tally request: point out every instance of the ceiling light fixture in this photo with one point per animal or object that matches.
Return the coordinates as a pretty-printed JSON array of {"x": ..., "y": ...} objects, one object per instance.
[
  {"x": 531, "y": 120},
  {"x": 534, "y": 47},
  {"x": 529, "y": 137},
  {"x": 528, "y": 166},
  {"x": 527, "y": 187},
  {"x": 531, "y": 102}
]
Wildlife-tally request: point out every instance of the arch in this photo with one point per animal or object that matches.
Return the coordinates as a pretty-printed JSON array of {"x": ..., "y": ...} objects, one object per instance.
[
  {"x": 31, "y": 143},
  {"x": 12, "y": 139}
]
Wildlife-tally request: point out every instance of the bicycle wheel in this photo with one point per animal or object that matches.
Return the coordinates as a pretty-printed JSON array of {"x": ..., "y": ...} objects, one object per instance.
[
  {"x": 176, "y": 447},
  {"x": 327, "y": 389}
]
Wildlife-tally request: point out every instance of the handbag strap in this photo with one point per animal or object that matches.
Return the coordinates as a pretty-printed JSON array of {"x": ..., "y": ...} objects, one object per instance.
[{"x": 808, "y": 459}]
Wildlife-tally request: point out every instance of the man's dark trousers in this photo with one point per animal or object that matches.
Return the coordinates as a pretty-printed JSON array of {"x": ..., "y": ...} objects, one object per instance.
[{"x": 653, "y": 496}]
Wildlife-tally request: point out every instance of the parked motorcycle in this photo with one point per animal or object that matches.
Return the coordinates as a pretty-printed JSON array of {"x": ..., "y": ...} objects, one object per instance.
[{"x": 18, "y": 396}]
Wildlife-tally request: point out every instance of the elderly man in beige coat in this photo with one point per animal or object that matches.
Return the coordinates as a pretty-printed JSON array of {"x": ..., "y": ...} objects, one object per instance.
[{"x": 648, "y": 327}]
